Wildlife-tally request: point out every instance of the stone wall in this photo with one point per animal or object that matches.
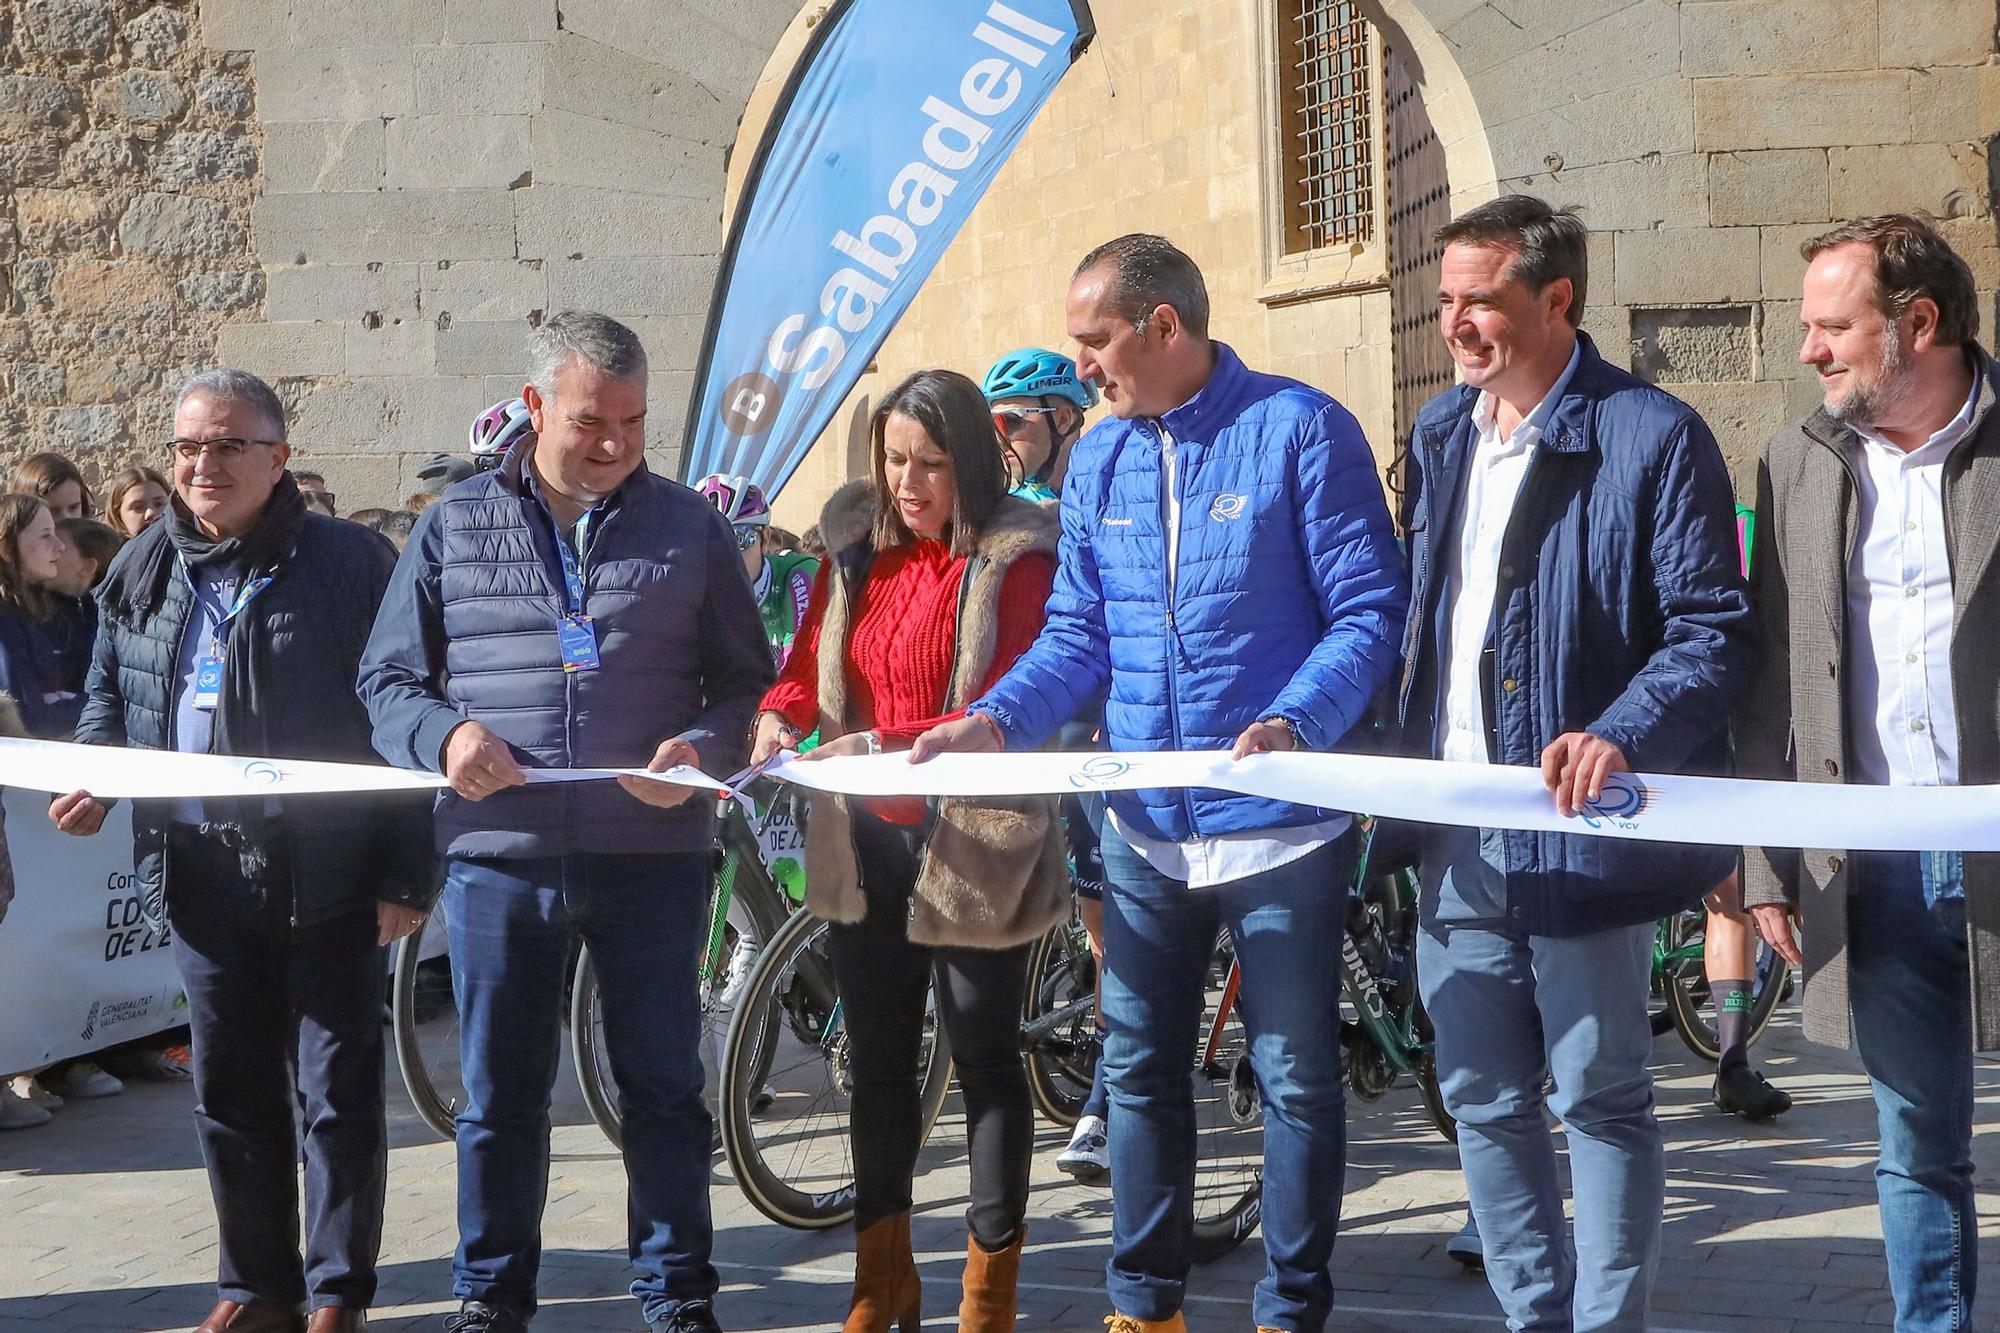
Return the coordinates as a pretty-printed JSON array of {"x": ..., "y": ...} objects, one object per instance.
[
  {"x": 128, "y": 160},
  {"x": 371, "y": 203}
]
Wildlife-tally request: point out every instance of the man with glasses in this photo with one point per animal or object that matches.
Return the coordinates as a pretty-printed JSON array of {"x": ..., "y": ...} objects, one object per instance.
[{"x": 235, "y": 626}]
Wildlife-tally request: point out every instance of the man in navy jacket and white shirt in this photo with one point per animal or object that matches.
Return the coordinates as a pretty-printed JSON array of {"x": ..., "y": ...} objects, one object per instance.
[
  {"x": 1228, "y": 570},
  {"x": 1577, "y": 604}
]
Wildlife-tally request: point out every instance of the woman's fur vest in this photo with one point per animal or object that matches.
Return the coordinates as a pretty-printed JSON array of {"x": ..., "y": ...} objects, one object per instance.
[{"x": 994, "y": 873}]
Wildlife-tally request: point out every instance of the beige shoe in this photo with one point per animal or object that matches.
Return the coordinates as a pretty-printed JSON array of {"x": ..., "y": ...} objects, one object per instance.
[
  {"x": 29, "y": 1089},
  {"x": 1125, "y": 1323}
]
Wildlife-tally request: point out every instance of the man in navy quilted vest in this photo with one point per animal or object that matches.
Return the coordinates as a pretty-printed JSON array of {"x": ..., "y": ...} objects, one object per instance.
[
  {"x": 570, "y": 609},
  {"x": 1576, "y": 605},
  {"x": 1229, "y": 572}
]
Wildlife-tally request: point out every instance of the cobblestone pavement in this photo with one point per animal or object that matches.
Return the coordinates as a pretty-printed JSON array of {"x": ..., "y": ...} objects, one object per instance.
[{"x": 107, "y": 1222}]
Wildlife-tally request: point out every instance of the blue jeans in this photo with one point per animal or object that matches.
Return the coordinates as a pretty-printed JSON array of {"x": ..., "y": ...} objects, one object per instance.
[
  {"x": 1158, "y": 938},
  {"x": 510, "y": 924},
  {"x": 1910, "y": 987},
  {"x": 1508, "y": 1009}
]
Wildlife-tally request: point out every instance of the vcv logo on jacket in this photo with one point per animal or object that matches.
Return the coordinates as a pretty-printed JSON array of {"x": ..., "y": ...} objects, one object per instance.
[{"x": 1228, "y": 506}]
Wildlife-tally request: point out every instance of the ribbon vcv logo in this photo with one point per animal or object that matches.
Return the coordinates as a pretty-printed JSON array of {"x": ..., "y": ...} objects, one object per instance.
[
  {"x": 264, "y": 774},
  {"x": 1098, "y": 772},
  {"x": 1620, "y": 804}
]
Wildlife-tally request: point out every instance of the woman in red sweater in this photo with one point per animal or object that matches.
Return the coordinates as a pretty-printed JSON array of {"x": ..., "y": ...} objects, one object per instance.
[{"x": 936, "y": 581}]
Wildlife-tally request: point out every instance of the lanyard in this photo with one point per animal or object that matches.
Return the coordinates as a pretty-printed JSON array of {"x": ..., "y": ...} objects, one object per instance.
[
  {"x": 244, "y": 596},
  {"x": 572, "y": 569}
]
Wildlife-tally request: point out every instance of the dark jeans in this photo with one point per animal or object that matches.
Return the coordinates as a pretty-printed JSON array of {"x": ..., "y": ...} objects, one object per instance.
[
  {"x": 262, "y": 999},
  {"x": 1910, "y": 985},
  {"x": 509, "y": 924},
  {"x": 882, "y": 977},
  {"x": 1159, "y": 937}
]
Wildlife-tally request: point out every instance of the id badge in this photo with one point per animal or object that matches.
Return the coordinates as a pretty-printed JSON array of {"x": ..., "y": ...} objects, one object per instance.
[
  {"x": 208, "y": 683},
  {"x": 578, "y": 635}
]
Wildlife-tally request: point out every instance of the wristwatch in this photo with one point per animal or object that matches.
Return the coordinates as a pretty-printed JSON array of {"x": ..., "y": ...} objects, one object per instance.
[
  {"x": 1275, "y": 720},
  {"x": 873, "y": 741}
]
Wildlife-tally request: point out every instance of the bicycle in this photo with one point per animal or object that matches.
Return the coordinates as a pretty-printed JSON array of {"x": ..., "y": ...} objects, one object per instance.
[
  {"x": 792, "y": 1158},
  {"x": 754, "y": 892}
]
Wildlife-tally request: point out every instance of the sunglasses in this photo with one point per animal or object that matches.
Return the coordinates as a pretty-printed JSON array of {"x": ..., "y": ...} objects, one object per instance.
[
  {"x": 747, "y": 536},
  {"x": 1007, "y": 423}
]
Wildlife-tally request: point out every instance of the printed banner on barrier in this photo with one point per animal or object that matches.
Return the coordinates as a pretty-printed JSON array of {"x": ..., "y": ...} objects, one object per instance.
[
  {"x": 895, "y": 121},
  {"x": 80, "y": 969}
]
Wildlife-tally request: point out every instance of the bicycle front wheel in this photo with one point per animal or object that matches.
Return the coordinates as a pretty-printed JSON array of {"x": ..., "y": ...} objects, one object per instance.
[
  {"x": 1059, "y": 1023},
  {"x": 1229, "y": 1117},
  {"x": 424, "y": 1014},
  {"x": 787, "y": 1086}
]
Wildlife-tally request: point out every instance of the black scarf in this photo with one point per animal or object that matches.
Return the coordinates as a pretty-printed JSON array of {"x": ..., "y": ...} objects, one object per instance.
[{"x": 242, "y": 717}]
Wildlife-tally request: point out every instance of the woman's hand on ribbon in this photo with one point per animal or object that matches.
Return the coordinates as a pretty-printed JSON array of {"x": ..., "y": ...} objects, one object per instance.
[
  {"x": 772, "y": 734},
  {"x": 78, "y": 813},
  {"x": 853, "y": 743},
  {"x": 1575, "y": 766},
  {"x": 477, "y": 763}
]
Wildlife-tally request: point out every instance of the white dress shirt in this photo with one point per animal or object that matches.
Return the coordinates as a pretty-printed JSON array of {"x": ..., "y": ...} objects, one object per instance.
[
  {"x": 1493, "y": 480},
  {"x": 1899, "y": 613},
  {"x": 1203, "y": 863}
]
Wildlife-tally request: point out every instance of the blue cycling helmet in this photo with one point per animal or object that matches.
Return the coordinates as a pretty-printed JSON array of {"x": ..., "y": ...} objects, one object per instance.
[{"x": 1035, "y": 372}]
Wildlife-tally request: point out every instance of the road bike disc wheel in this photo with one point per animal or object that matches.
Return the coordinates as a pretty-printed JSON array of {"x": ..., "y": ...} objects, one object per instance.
[
  {"x": 791, "y": 1155},
  {"x": 1691, "y": 1006},
  {"x": 1062, "y": 979},
  {"x": 424, "y": 1016},
  {"x": 753, "y": 915},
  {"x": 1229, "y": 1118}
]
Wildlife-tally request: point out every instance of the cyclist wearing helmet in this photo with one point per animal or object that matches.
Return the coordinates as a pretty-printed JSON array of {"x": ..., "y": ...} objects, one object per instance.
[
  {"x": 782, "y": 580},
  {"x": 1038, "y": 404},
  {"x": 492, "y": 434}
]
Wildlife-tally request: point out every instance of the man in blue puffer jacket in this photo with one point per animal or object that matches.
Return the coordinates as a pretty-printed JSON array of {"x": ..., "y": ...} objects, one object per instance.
[
  {"x": 1228, "y": 569},
  {"x": 1577, "y": 605},
  {"x": 572, "y": 610}
]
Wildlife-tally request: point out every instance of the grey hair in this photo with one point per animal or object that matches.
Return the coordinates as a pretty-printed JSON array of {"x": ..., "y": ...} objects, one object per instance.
[
  {"x": 594, "y": 339},
  {"x": 235, "y": 386},
  {"x": 1148, "y": 272}
]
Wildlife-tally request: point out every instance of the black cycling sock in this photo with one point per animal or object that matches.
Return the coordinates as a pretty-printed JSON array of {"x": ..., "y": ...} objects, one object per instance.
[{"x": 1732, "y": 1022}]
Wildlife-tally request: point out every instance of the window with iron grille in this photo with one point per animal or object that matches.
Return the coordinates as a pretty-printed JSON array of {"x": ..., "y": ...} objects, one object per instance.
[{"x": 1328, "y": 74}]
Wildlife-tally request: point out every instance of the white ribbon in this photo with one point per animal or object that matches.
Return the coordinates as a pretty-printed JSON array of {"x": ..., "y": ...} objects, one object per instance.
[{"x": 1650, "y": 807}]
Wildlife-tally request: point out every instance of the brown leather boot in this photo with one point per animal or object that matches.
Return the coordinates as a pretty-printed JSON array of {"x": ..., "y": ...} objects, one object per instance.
[
  {"x": 886, "y": 1289},
  {"x": 258, "y": 1317},
  {"x": 990, "y": 1276},
  {"x": 337, "y": 1319},
  {"x": 1125, "y": 1323}
]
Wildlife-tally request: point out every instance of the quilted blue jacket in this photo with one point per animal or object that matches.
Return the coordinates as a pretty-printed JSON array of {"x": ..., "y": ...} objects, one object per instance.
[
  {"x": 1620, "y": 609},
  {"x": 1288, "y": 600},
  {"x": 468, "y": 630}
]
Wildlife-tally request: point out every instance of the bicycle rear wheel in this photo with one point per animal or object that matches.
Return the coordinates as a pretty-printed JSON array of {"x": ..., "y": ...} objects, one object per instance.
[
  {"x": 791, "y": 1155},
  {"x": 753, "y": 914},
  {"x": 424, "y": 1015},
  {"x": 1059, "y": 1023},
  {"x": 1689, "y": 1001},
  {"x": 1229, "y": 1117}
]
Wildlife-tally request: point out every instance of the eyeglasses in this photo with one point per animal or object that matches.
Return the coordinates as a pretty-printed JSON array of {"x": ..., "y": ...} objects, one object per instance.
[
  {"x": 1010, "y": 421},
  {"x": 226, "y": 448},
  {"x": 748, "y": 536}
]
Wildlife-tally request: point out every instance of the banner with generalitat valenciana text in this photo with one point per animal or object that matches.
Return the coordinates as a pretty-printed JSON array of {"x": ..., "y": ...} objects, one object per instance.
[{"x": 893, "y": 124}]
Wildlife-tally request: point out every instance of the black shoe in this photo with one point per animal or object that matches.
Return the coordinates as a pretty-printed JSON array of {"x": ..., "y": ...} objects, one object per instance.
[
  {"x": 479, "y": 1317},
  {"x": 688, "y": 1317},
  {"x": 1741, "y": 1090}
]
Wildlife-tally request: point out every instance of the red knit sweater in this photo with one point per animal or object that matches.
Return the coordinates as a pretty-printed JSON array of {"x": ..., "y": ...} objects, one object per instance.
[{"x": 902, "y": 643}]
